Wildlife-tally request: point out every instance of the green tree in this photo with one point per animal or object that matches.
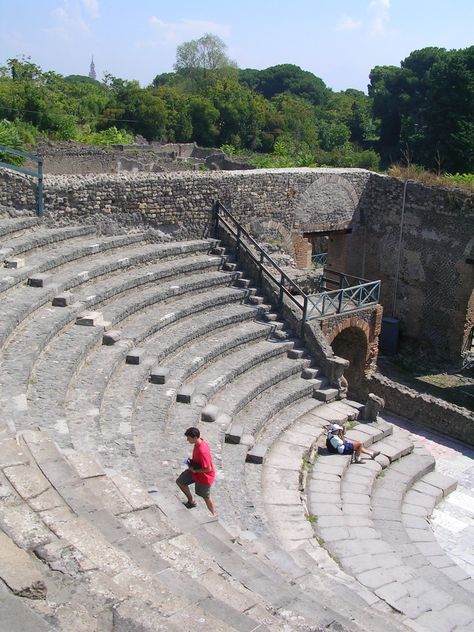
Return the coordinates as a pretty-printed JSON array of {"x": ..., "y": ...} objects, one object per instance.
[
  {"x": 286, "y": 78},
  {"x": 202, "y": 59},
  {"x": 298, "y": 120},
  {"x": 204, "y": 118}
]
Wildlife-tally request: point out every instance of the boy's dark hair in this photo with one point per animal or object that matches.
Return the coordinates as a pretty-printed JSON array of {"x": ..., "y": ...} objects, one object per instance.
[{"x": 192, "y": 432}]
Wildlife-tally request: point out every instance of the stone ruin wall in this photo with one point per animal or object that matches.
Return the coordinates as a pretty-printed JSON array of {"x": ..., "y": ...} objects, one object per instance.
[
  {"x": 179, "y": 202},
  {"x": 71, "y": 158}
]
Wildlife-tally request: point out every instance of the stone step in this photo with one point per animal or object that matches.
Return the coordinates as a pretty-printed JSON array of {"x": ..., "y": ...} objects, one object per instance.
[
  {"x": 271, "y": 402},
  {"x": 11, "y": 226},
  {"x": 355, "y": 514},
  {"x": 326, "y": 394},
  {"x": 43, "y": 236},
  {"x": 18, "y": 571},
  {"x": 255, "y": 573},
  {"x": 195, "y": 336}
]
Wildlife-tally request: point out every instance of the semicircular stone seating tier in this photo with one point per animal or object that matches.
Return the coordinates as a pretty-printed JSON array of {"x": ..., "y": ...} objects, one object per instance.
[{"x": 111, "y": 347}]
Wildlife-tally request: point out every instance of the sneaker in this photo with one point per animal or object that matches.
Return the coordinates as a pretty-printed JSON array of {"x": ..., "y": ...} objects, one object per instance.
[
  {"x": 357, "y": 459},
  {"x": 190, "y": 504},
  {"x": 375, "y": 453}
]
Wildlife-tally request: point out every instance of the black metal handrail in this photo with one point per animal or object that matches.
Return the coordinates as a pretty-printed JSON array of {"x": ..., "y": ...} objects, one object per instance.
[
  {"x": 263, "y": 257},
  {"x": 38, "y": 173},
  {"x": 347, "y": 297}
]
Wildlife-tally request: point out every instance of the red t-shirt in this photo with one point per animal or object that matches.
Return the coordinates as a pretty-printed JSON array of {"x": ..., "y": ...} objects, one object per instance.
[{"x": 202, "y": 455}]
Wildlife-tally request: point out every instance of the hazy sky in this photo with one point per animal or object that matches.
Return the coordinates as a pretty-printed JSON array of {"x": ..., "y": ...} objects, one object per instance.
[{"x": 337, "y": 40}]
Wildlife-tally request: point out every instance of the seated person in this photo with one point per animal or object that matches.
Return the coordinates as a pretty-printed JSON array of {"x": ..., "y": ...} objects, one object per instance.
[{"x": 338, "y": 444}]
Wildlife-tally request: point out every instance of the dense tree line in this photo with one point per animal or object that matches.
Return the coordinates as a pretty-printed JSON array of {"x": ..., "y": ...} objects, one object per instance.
[
  {"x": 422, "y": 111},
  {"x": 426, "y": 109}
]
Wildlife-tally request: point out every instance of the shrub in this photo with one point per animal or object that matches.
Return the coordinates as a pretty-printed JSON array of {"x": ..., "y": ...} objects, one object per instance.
[
  {"x": 10, "y": 137},
  {"x": 109, "y": 136}
]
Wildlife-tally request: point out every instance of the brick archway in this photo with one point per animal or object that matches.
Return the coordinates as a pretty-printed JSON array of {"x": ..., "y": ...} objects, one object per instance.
[
  {"x": 355, "y": 338},
  {"x": 352, "y": 344}
]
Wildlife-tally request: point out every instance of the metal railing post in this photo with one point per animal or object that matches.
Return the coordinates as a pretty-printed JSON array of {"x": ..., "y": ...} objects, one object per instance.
[
  {"x": 237, "y": 246},
  {"x": 260, "y": 270},
  {"x": 40, "y": 188},
  {"x": 29, "y": 172},
  {"x": 280, "y": 297},
  {"x": 305, "y": 313}
]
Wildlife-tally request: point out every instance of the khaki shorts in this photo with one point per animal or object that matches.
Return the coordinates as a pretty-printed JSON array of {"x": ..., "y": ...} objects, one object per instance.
[{"x": 201, "y": 489}]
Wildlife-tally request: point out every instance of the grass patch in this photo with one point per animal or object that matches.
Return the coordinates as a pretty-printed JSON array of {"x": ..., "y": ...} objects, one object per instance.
[
  {"x": 312, "y": 518},
  {"x": 320, "y": 541},
  {"x": 463, "y": 181},
  {"x": 307, "y": 465}
]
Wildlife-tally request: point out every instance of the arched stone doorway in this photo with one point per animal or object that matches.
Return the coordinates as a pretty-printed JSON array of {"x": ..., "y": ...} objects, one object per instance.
[{"x": 352, "y": 344}]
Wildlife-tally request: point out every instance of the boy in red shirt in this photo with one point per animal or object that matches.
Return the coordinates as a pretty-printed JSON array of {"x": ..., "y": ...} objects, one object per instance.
[{"x": 200, "y": 471}]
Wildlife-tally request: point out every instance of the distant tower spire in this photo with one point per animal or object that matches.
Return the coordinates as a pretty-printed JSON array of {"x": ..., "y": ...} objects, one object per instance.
[{"x": 92, "y": 73}]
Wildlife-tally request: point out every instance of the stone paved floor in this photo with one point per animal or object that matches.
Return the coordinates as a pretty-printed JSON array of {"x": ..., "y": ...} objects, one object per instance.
[{"x": 453, "y": 518}]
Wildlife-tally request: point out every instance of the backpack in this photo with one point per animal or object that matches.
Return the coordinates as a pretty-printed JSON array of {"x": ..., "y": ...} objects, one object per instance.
[{"x": 329, "y": 445}]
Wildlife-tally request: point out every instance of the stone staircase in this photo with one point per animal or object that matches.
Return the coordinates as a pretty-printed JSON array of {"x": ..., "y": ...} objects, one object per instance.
[{"x": 111, "y": 347}]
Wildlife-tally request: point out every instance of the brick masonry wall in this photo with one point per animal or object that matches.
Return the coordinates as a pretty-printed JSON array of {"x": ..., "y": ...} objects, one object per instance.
[{"x": 419, "y": 253}]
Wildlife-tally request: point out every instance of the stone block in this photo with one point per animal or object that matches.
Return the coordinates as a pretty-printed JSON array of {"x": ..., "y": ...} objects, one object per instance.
[
  {"x": 280, "y": 334},
  {"x": 135, "y": 356},
  {"x": 185, "y": 393},
  {"x": 224, "y": 420},
  {"x": 242, "y": 282},
  {"x": 90, "y": 319},
  {"x": 159, "y": 374},
  {"x": 14, "y": 262},
  {"x": 41, "y": 279},
  {"x": 309, "y": 374},
  {"x": 111, "y": 337},
  {"x": 256, "y": 454},
  {"x": 442, "y": 482},
  {"x": 295, "y": 354},
  {"x": 63, "y": 300},
  {"x": 209, "y": 413},
  {"x": 325, "y": 394},
  {"x": 234, "y": 434}
]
